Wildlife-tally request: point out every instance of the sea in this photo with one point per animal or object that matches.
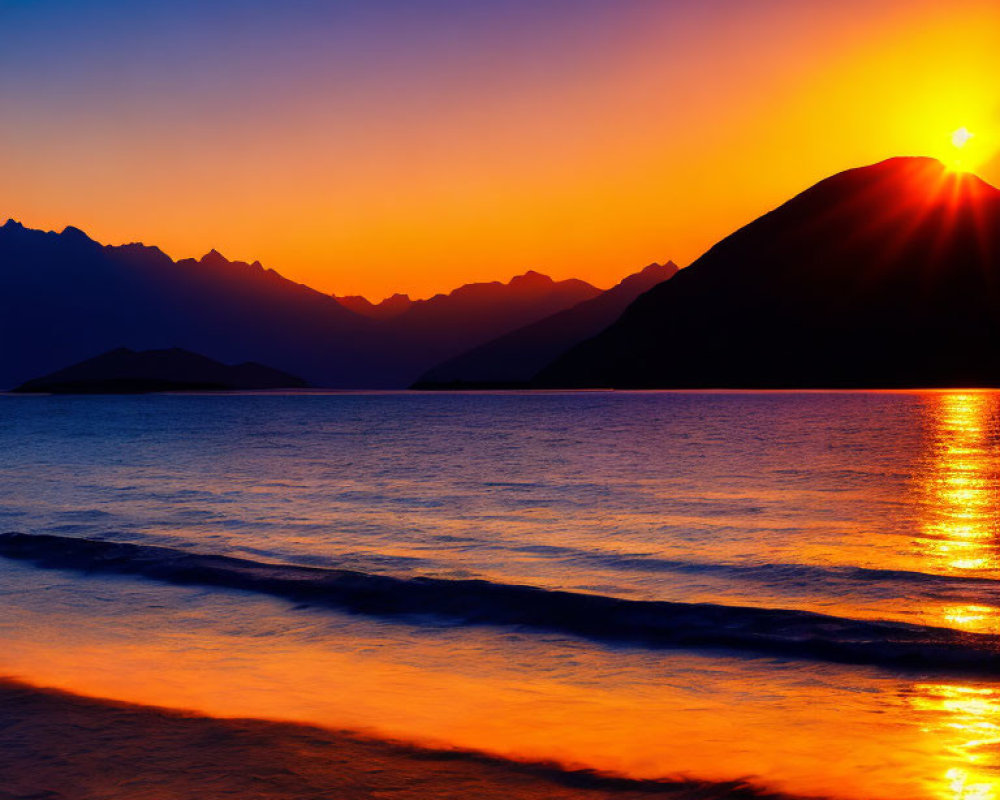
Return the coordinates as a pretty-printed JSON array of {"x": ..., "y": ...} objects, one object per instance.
[{"x": 796, "y": 591}]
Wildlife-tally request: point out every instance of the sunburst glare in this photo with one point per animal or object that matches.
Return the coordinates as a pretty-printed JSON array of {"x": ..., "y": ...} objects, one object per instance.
[{"x": 967, "y": 150}]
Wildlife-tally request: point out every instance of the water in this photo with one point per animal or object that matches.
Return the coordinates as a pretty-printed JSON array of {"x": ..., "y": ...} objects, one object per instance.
[{"x": 874, "y": 507}]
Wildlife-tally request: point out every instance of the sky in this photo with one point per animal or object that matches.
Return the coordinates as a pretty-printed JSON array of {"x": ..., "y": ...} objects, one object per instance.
[{"x": 375, "y": 146}]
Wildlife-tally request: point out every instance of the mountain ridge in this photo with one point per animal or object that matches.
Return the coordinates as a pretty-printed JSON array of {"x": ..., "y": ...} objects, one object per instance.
[{"x": 65, "y": 297}]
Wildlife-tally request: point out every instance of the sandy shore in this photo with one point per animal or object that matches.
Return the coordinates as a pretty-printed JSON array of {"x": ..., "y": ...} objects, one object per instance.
[{"x": 58, "y": 746}]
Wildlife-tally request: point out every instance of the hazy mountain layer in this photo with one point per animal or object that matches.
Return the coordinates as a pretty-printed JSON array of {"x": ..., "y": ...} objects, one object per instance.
[{"x": 516, "y": 357}]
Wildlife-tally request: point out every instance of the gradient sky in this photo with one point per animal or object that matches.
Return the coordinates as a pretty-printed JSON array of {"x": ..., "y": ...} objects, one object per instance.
[{"x": 372, "y": 146}]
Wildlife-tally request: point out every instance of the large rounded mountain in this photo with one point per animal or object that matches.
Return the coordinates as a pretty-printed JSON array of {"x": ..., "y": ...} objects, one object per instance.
[{"x": 882, "y": 276}]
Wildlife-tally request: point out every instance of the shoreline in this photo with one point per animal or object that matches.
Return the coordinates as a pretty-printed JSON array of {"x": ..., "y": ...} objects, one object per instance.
[{"x": 63, "y": 746}]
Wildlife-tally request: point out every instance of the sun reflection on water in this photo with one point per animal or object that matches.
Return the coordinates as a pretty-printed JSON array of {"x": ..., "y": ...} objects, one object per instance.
[
  {"x": 981, "y": 619},
  {"x": 959, "y": 533},
  {"x": 962, "y": 521}
]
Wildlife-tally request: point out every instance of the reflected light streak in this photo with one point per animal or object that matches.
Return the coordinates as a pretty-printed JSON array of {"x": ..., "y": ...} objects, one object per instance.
[
  {"x": 962, "y": 518},
  {"x": 959, "y": 534}
]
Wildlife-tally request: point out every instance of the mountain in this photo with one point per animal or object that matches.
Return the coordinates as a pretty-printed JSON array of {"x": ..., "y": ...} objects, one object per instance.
[
  {"x": 437, "y": 329},
  {"x": 389, "y": 307},
  {"x": 514, "y": 358},
  {"x": 883, "y": 276},
  {"x": 124, "y": 371},
  {"x": 64, "y": 297}
]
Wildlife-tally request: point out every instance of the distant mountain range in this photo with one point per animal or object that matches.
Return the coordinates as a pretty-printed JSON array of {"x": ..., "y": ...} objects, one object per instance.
[
  {"x": 65, "y": 298},
  {"x": 513, "y": 359},
  {"x": 124, "y": 371},
  {"x": 883, "y": 276}
]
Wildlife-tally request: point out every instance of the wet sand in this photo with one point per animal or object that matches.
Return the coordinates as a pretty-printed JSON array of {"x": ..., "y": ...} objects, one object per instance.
[{"x": 59, "y": 746}]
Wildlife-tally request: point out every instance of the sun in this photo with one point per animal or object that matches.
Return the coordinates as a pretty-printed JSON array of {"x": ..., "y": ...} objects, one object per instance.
[
  {"x": 964, "y": 153},
  {"x": 960, "y": 138}
]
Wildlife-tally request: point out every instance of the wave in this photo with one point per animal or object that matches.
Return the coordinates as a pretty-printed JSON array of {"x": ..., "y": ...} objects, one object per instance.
[
  {"x": 610, "y": 620},
  {"x": 639, "y": 562}
]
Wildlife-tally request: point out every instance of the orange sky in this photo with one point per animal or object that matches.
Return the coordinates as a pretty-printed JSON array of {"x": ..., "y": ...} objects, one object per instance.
[{"x": 413, "y": 152}]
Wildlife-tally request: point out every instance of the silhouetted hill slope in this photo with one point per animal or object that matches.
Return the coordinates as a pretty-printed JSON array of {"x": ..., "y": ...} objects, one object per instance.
[
  {"x": 882, "y": 276},
  {"x": 124, "y": 371},
  {"x": 516, "y": 357},
  {"x": 389, "y": 307}
]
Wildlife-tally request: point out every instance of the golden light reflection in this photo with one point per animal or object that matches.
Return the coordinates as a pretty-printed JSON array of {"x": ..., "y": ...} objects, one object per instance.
[
  {"x": 961, "y": 518},
  {"x": 642, "y": 724},
  {"x": 967, "y": 721},
  {"x": 982, "y": 619}
]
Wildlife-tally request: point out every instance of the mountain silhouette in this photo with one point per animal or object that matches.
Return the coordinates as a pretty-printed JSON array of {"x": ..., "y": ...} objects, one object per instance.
[
  {"x": 64, "y": 297},
  {"x": 389, "y": 307},
  {"x": 514, "y": 358},
  {"x": 124, "y": 371},
  {"x": 882, "y": 276}
]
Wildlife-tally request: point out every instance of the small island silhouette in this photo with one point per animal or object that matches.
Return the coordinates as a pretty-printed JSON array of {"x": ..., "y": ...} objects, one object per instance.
[{"x": 125, "y": 371}]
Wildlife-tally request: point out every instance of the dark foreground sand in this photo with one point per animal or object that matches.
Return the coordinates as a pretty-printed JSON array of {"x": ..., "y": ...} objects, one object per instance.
[{"x": 57, "y": 746}]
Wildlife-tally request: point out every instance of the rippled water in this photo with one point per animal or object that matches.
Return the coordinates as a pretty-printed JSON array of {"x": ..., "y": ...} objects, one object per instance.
[{"x": 861, "y": 506}]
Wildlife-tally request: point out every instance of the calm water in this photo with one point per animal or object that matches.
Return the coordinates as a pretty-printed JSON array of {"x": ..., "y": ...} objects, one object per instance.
[{"x": 875, "y": 507}]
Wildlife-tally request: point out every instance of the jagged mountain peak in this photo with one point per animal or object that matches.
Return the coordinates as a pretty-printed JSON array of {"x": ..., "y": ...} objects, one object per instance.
[{"x": 213, "y": 257}]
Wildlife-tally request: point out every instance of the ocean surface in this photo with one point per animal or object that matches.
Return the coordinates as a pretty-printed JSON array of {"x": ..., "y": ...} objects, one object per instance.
[{"x": 796, "y": 590}]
